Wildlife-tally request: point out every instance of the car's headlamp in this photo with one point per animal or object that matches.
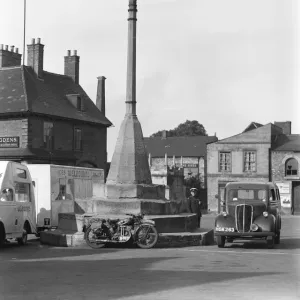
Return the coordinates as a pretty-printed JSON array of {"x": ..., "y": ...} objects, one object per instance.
[{"x": 265, "y": 214}]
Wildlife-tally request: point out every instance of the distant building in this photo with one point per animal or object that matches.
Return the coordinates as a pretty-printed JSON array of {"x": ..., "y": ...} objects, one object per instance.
[
  {"x": 188, "y": 152},
  {"x": 259, "y": 153},
  {"x": 47, "y": 117}
]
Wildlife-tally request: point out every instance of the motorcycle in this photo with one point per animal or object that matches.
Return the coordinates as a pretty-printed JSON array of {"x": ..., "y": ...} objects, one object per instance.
[{"x": 103, "y": 231}]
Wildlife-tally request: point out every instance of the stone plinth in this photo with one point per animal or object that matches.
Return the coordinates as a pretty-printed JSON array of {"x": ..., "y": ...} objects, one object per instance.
[
  {"x": 129, "y": 205},
  {"x": 141, "y": 191},
  {"x": 164, "y": 223}
]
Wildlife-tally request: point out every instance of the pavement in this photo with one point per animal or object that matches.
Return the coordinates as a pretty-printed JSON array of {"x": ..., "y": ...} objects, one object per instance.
[{"x": 238, "y": 271}]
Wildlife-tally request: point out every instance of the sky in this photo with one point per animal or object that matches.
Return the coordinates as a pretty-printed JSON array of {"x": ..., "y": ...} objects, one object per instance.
[{"x": 224, "y": 63}]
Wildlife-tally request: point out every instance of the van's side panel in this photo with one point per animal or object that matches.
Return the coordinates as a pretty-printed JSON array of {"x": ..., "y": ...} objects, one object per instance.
[{"x": 40, "y": 174}]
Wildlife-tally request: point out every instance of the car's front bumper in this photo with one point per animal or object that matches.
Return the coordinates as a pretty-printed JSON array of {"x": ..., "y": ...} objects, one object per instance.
[{"x": 245, "y": 234}]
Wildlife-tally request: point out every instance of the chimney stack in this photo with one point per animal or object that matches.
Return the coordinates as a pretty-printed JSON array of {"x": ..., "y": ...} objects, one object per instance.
[
  {"x": 285, "y": 126},
  {"x": 9, "y": 58},
  {"x": 100, "y": 99},
  {"x": 35, "y": 57},
  {"x": 72, "y": 66}
]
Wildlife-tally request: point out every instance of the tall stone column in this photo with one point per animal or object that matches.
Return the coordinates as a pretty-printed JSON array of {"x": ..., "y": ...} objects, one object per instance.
[
  {"x": 131, "y": 59},
  {"x": 129, "y": 170}
]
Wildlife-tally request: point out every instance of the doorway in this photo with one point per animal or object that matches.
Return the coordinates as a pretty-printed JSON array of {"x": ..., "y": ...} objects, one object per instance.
[{"x": 296, "y": 197}]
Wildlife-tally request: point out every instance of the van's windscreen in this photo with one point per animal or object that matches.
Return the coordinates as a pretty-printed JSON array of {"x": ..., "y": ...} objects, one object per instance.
[{"x": 243, "y": 194}]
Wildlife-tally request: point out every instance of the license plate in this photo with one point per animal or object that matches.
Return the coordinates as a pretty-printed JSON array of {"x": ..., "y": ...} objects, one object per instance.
[{"x": 225, "y": 229}]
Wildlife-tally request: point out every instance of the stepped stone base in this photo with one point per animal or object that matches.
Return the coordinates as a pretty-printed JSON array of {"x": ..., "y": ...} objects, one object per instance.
[
  {"x": 62, "y": 238},
  {"x": 140, "y": 191},
  {"x": 163, "y": 223},
  {"x": 131, "y": 205}
]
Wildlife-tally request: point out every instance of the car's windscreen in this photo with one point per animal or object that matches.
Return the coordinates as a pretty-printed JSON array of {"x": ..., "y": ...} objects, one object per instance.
[{"x": 243, "y": 194}]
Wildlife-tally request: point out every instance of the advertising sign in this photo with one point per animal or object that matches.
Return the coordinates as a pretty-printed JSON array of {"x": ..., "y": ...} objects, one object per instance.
[
  {"x": 285, "y": 195},
  {"x": 285, "y": 200},
  {"x": 9, "y": 142},
  {"x": 284, "y": 187}
]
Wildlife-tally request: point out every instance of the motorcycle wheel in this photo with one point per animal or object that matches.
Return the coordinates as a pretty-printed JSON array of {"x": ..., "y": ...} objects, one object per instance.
[
  {"x": 150, "y": 240},
  {"x": 89, "y": 240}
]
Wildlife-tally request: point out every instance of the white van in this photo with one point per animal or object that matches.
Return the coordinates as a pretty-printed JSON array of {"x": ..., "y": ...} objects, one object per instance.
[{"x": 17, "y": 203}]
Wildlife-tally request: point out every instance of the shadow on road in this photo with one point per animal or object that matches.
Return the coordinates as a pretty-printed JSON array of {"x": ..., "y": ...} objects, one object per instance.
[
  {"x": 285, "y": 243},
  {"x": 34, "y": 250},
  {"x": 109, "y": 278}
]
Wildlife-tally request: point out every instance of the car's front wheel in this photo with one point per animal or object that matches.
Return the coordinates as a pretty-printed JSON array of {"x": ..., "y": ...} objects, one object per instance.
[{"x": 221, "y": 241}]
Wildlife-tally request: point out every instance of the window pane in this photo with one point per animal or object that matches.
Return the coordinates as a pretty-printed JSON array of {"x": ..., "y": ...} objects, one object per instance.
[
  {"x": 21, "y": 173},
  {"x": 6, "y": 195},
  {"x": 291, "y": 167},
  {"x": 78, "y": 139},
  {"x": 22, "y": 192},
  {"x": 225, "y": 161}
]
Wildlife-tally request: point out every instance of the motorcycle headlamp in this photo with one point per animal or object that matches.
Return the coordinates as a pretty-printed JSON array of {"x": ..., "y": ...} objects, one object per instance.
[{"x": 224, "y": 213}]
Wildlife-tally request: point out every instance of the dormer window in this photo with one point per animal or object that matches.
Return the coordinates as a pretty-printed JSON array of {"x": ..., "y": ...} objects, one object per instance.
[
  {"x": 291, "y": 167},
  {"x": 77, "y": 101}
]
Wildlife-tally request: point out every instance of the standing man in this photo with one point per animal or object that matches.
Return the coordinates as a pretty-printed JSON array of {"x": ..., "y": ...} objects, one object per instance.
[{"x": 194, "y": 205}]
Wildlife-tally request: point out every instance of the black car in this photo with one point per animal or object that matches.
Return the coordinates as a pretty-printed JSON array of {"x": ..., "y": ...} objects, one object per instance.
[{"x": 250, "y": 210}]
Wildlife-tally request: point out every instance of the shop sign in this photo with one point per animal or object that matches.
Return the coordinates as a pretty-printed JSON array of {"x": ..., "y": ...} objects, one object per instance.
[
  {"x": 190, "y": 165},
  {"x": 285, "y": 200},
  {"x": 9, "y": 142}
]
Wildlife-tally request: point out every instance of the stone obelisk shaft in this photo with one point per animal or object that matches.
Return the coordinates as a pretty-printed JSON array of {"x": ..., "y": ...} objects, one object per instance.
[
  {"x": 129, "y": 168},
  {"x": 131, "y": 59}
]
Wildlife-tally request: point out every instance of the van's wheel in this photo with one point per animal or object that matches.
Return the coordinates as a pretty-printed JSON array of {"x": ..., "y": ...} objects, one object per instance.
[
  {"x": 221, "y": 241},
  {"x": 2, "y": 236},
  {"x": 277, "y": 238},
  {"x": 23, "y": 240}
]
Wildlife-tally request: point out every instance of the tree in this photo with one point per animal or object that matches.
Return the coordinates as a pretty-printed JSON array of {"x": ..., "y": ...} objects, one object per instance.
[{"x": 188, "y": 128}]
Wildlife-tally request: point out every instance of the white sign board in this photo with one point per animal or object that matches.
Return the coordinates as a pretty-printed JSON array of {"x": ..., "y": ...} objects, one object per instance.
[
  {"x": 284, "y": 187},
  {"x": 285, "y": 200}
]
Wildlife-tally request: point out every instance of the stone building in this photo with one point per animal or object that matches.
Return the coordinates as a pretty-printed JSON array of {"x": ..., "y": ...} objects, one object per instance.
[
  {"x": 187, "y": 152},
  {"x": 259, "y": 153},
  {"x": 47, "y": 117}
]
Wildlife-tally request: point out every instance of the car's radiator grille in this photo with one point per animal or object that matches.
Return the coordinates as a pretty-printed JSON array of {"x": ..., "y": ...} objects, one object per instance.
[{"x": 243, "y": 217}]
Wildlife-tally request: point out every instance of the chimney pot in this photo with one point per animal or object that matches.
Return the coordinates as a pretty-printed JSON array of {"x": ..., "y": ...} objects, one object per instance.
[
  {"x": 1, "y": 46},
  {"x": 6, "y": 47},
  {"x": 69, "y": 53},
  {"x": 38, "y": 40},
  {"x": 17, "y": 50},
  {"x": 12, "y": 48},
  {"x": 75, "y": 52},
  {"x": 100, "y": 98},
  {"x": 32, "y": 41}
]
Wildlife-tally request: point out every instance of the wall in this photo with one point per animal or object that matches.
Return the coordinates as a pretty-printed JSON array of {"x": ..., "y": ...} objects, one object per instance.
[
  {"x": 15, "y": 127},
  {"x": 214, "y": 176},
  {"x": 93, "y": 139}
]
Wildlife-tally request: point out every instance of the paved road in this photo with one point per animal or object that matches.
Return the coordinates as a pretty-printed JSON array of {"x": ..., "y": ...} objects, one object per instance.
[{"x": 239, "y": 271}]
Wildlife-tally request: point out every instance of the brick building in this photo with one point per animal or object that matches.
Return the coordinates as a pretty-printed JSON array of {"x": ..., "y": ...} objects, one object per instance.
[
  {"x": 259, "y": 153},
  {"x": 47, "y": 117},
  {"x": 188, "y": 152}
]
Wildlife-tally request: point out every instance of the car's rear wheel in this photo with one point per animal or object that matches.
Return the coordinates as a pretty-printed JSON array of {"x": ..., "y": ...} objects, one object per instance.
[
  {"x": 277, "y": 238},
  {"x": 221, "y": 241},
  {"x": 2, "y": 235},
  {"x": 271, "y": 242}
]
